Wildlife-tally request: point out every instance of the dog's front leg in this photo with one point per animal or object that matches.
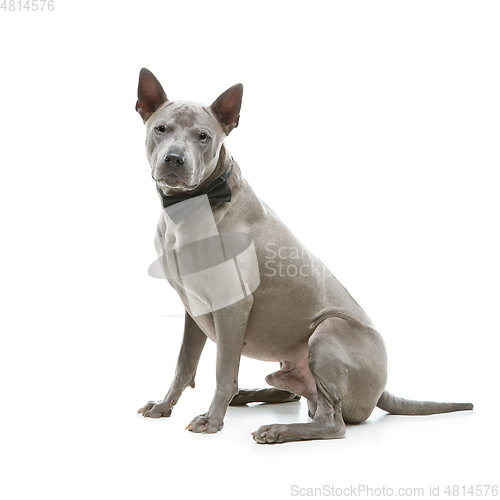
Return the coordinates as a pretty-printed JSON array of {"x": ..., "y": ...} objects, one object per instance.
[
  {"x": 192, "y": 346},
  {"x": 230, "y": 327}
]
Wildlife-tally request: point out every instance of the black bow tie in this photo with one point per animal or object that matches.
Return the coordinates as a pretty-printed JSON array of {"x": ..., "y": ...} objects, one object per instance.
[{"x": 217, "y": 191}]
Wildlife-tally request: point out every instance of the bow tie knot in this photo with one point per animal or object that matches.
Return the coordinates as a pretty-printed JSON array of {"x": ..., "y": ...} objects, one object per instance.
[{"x": 217, "y": 191}]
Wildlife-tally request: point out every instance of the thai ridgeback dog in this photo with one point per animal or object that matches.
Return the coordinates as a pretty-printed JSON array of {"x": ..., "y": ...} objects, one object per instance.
[{"x": 251, "y": 286}]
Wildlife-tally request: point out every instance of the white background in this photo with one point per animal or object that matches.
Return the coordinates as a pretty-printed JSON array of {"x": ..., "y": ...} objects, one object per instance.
[{"x": 371, "y": 128}]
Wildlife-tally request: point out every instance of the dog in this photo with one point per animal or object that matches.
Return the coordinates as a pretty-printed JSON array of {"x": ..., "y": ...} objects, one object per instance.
[{"x": 248, "y": 284}]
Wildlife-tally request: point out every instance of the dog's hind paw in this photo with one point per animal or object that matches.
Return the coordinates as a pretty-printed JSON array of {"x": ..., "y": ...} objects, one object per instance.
[
  {"x": 269, "y": 434},
  {"x": 319, "y": 429}
]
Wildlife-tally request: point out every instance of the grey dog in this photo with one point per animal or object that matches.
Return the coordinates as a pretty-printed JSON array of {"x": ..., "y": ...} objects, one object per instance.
[{"x": 214, "y": 240}]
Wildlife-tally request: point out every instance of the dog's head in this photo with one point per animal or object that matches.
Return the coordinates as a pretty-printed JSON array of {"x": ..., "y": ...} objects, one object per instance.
[{"x": 184, "y": 139}]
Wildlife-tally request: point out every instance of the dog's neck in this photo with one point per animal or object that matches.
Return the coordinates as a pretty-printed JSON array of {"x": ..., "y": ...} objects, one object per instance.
[
  {"x": 226, "y": 162},
  {"x": 224, "y": 165}
]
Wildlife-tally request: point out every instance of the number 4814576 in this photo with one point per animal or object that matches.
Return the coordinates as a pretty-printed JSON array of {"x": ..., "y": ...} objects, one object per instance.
[{"x": 34, "y": 5}]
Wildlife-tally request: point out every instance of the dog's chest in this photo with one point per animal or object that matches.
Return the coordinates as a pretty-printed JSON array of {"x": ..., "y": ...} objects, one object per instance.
[
  {"x": 209, "y": 270},
  {"x": 184, "y": 232}
]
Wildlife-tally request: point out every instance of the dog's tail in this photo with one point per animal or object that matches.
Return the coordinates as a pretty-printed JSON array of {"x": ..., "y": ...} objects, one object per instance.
[{"x": 400, "y": 406}]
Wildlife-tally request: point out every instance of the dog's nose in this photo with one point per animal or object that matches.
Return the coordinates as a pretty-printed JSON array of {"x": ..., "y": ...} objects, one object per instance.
[{"x": 174, "y": 160}]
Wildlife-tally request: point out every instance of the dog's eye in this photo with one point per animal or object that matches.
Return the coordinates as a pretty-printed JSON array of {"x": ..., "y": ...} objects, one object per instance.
[
  {"x": 160, "y": 129},
  {"x": 203, "y": 137}
]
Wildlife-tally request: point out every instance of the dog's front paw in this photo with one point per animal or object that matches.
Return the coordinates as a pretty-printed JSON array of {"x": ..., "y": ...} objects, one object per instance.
[
  {"x": 205, "y": 424},
  {"x": 157, "y": 409}
]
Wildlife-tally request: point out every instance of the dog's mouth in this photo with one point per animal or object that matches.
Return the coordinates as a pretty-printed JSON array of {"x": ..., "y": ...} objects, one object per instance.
[{"x": 172, "y": 181}]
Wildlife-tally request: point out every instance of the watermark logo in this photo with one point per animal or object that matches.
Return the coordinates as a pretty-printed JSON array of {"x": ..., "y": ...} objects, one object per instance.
[
  {"x": 366, "y": 491},
  {"x": 214, "y": 270},
  {"x": 27, "y": 5},
  {"x": 291, "y": 261}
]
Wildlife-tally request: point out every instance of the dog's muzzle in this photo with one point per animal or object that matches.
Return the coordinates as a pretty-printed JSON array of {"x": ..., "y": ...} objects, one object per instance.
[{"x": 174, "y": 170}]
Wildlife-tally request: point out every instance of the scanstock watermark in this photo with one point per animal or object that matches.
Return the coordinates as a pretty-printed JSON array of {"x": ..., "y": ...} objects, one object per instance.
[
  {"x": 285, "y": 261},
  {"x": 363, "y": 490},
  {"x": 214, "y": 269}
]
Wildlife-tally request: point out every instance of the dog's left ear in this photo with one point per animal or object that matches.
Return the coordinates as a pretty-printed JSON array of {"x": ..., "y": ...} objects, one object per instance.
[
  {"x": 227, "y": 107},
  {"x": 150, "y": 94}
]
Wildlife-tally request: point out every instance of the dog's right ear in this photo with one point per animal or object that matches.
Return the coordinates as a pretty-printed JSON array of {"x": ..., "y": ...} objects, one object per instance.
[
  {"x": 150, "y": 94},
  {"x": 227, "y": 107}
]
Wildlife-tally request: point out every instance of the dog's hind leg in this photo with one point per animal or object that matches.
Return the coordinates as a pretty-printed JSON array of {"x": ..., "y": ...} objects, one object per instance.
[
  {"x": 269, "y": 395},
  {"x": 347, "y": 362}
]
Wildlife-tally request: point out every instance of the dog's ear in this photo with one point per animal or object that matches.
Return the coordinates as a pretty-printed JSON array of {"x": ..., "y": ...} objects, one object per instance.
[
  {"x": 150, "y": 94},
  {"x": 227, "y": 107}
]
